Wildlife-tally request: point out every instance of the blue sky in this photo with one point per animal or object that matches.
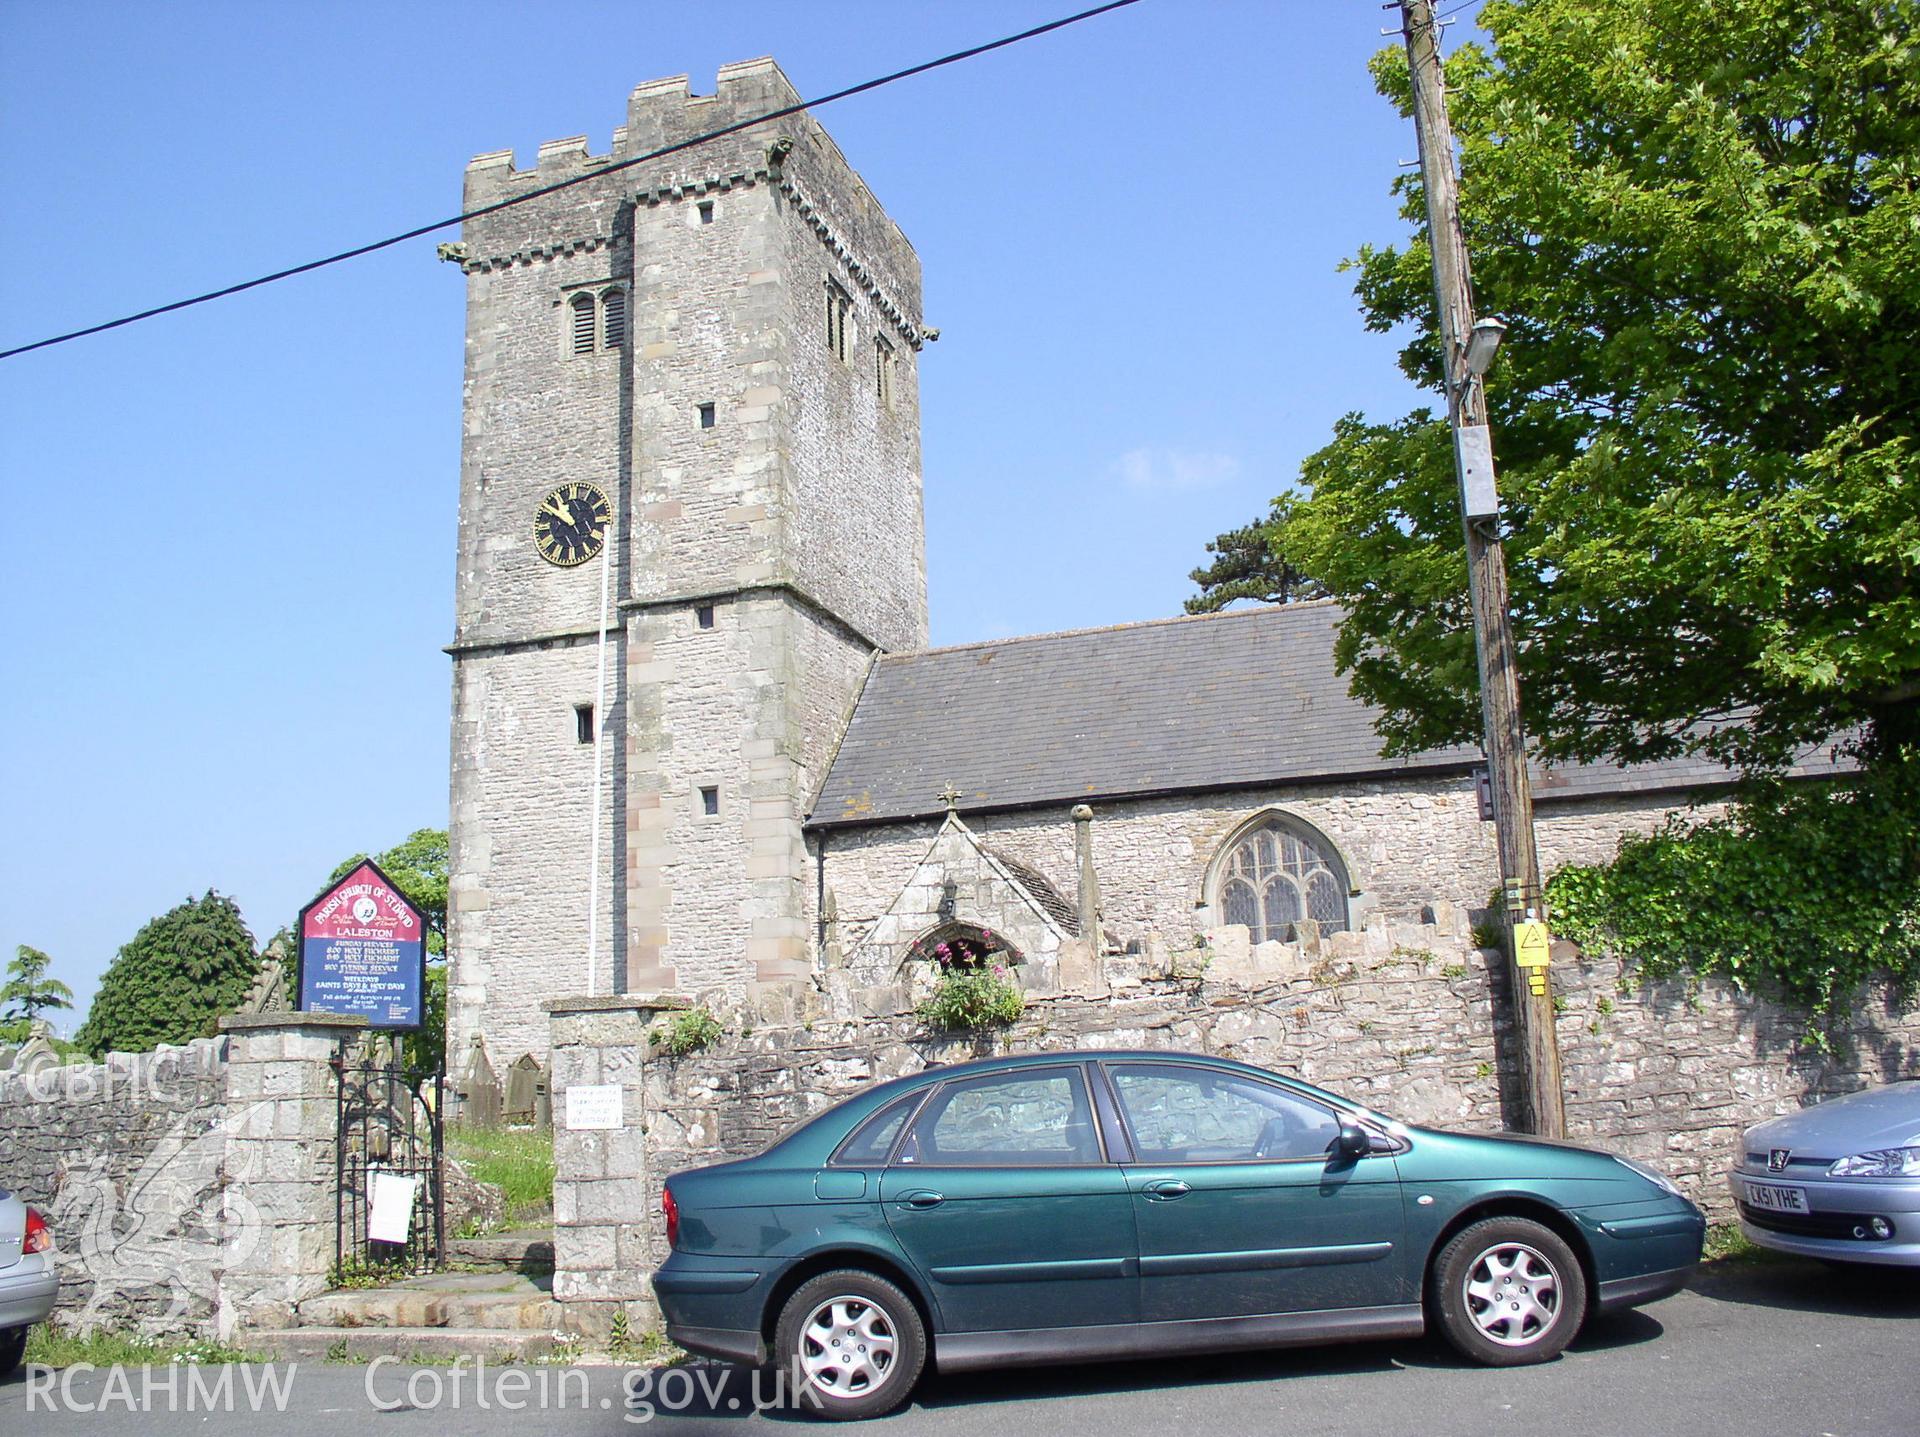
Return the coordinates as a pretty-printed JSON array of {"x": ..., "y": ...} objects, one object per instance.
[{"x": 229, "y": 532}]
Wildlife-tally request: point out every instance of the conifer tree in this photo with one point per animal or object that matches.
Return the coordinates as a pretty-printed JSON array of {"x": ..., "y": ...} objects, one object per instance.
[{"x": 175, "y": 978}]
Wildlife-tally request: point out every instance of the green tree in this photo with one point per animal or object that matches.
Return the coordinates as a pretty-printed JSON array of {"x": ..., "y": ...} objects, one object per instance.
[
  {"x": 174, "y": 980},
  {"x": 1701, "y": 222},
  {"x": 28, "y": 991},
  {"x": 418, "y": 868},
  {"x": 1245, "y": 566},
  {"x": 1805, "y": 893}
]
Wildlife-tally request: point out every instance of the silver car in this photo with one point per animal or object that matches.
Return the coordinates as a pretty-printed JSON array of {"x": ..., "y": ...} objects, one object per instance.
[
  {"x": 1839, "y": 1180},
  {"x": 27, "y": 1279}
]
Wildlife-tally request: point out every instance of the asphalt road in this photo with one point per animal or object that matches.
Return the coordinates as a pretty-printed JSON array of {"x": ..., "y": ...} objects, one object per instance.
[{"x": 1769, "y": 1346}]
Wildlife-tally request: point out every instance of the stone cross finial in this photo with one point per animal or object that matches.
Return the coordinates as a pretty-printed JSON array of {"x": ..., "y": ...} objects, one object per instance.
[{"x": 950, "y": 796}]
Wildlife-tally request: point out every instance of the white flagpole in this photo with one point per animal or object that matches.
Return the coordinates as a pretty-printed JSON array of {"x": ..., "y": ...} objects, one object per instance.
[{"x": 599, "y": 729}]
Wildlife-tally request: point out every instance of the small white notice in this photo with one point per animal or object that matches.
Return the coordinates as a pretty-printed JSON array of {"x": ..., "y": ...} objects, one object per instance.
[
  {"x": 390, "y": 1206},
  {"x": 594, "y": 1105}
]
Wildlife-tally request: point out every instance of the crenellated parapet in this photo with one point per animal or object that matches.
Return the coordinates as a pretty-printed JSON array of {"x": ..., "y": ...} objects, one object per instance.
[
  {"x": 660, "y": 113},
  {"x": 792, "y": 153}
]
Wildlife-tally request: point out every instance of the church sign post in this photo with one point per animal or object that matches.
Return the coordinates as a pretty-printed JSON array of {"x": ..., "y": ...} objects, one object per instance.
[{"x": 363, "y": 951}]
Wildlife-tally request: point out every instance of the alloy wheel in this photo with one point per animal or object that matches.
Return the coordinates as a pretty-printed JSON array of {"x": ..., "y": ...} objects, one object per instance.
[
  {"x": 1513, "y": 1294},
  {"x": 847, "y": 1347}
]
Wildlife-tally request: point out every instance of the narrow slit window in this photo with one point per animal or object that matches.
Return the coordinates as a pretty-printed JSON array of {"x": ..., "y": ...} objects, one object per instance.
[
  {"x": 839, "y": 320},
  {"x": 707, "y": 416},
  {"x": 581, "y": 309},
  {"x": 883, "y": 373},
  {"x": 613, "y": 310},
  {"x": 710, "y": 802},
  {"x": 583, "y": 723},
  {"x": 703, "y": 616}
]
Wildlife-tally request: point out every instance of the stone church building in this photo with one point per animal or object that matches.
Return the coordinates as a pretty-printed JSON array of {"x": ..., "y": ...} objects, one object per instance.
[{"x": 692, "y": 385}]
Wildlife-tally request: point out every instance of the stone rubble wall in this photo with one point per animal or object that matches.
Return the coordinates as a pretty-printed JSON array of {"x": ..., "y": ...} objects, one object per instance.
[
  {"x": 1404, "y": 842},
  {"x": 190, "y": 1189},
  {"x": 1405, "y": 1017},
  {"x": 126, "y": 1160}
]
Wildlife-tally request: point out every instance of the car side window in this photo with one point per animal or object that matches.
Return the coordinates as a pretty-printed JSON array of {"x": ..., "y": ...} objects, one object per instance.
[
  {"x": 1026, "y": 1118},
  {"x": 1182, "y": 1114},
  {"x": 873, "y": 1139}
]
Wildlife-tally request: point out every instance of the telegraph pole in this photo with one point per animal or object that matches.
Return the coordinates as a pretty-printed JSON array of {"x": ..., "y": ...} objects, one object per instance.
[{"x": 1486, "y": 570}]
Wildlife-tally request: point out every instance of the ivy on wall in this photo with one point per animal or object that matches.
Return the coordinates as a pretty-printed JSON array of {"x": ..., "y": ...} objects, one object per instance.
[{"x": 1803, "y": 891}]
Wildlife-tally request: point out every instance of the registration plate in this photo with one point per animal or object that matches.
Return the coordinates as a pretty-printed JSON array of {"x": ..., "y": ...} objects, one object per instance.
[{"x": 1776, "y": 1199}]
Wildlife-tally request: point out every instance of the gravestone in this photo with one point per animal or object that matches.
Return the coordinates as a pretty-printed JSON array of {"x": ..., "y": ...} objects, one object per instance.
[
  {"x": 478, "y": 1091},
  {"x": 528, "y": 1100}
]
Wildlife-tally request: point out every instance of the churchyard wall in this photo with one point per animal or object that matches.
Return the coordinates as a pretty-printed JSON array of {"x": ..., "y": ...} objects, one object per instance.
[
  {"x": 125, "y": 1160},
  {"x": 190, "y": 1190},
  {"x": 1407, "y": 1017}
]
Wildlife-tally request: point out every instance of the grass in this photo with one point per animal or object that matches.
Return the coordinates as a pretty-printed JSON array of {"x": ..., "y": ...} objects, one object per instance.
[
  {"x": 687, "y": 1032},
  {"x": 48, "y": 1346},
  {"x": 1726, "y": 1243},
  {"x": 518, "y": 1161},
  {"x": 367, "y": 1275}
]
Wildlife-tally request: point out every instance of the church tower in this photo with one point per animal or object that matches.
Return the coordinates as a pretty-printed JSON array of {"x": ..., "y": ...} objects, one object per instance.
[{"x": 700, "y": 371}]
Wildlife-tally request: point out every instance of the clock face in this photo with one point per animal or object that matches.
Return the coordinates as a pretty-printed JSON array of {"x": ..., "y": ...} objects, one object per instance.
[{"x": 570, "y": 526}]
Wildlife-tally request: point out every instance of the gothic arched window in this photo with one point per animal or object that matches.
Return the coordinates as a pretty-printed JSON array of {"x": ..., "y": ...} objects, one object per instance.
[{"x": 1275, "y": 874}]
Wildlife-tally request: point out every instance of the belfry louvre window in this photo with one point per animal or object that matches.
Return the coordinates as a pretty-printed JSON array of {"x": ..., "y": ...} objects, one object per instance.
[
  {"x": 613, "y": 317},
  {"x": 581, "y": 310},
  {"x": 1273, "y": 877},
  {"x": 839, "y": 320}
]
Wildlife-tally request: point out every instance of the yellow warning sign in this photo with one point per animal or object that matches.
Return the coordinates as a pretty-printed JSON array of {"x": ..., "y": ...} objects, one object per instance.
[{"x": 1531, "y": 945}]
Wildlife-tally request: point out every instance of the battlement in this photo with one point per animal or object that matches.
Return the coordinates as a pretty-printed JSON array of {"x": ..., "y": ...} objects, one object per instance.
[
  {"x": 659, "y": 113},
  {"x": 666, "y": 111}
]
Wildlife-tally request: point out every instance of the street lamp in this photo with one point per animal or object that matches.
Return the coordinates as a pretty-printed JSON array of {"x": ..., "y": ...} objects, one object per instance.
[{"x": 1482, "y": 342}]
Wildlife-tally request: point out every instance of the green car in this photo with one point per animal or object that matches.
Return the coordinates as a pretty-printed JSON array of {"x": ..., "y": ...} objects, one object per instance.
[{"x": 1082, "y": 1206}]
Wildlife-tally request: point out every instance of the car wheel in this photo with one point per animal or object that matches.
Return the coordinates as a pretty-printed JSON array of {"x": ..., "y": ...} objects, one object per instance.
[
  {"x": 1508, "y": 1291},
  {"x": 13, "y": 1346},
  {"x": 852, "y": 1344}
]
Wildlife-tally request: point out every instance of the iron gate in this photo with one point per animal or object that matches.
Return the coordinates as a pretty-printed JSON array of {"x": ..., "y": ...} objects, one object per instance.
[{"x": 388, "y": 1131}]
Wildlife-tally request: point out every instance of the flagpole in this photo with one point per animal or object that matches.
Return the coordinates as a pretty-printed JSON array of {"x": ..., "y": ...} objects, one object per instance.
[{"x": 599, "y": 729}]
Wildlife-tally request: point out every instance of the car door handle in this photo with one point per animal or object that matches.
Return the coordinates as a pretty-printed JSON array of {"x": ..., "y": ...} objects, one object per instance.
[
  {"x": 923, "y": 1199},
  {"x": 1166, "y": 1190}
]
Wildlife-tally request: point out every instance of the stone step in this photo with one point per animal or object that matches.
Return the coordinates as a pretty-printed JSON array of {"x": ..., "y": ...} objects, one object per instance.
[
  {"x": 407, "y": 1343},
  {"x": 523, "y": 1309},
  {"x": 526, "y": 1251}
]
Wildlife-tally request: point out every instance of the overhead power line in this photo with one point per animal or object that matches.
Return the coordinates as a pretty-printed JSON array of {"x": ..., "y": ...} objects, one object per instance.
[{"x": 391, "y": 240}]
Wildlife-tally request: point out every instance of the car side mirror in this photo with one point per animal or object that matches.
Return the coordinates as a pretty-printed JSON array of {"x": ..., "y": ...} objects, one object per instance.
[{"x": 1353, "y": 1142}]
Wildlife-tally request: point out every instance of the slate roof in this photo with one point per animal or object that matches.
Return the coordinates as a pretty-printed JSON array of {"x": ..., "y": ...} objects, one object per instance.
[{"x": 1239, "y": 699}]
